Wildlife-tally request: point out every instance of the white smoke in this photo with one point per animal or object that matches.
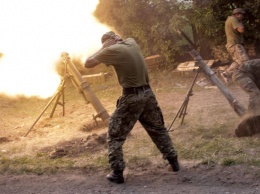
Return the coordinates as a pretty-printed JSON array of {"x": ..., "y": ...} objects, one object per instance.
[{"x": 33, "y": 35}]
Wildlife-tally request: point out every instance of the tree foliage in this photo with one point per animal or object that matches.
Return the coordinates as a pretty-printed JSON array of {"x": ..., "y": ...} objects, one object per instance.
[
  {"x": 148, "y": 21},
  {"x": 153, "y": 23},
  {"x": 221, "y": 9}
]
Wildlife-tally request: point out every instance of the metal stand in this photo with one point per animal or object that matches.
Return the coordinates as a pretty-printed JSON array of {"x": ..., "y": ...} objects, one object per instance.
[
  {"x": 182, "y": 112},
  {"x": 58, "y": 94},
  {"x": 83, "y": 87}
]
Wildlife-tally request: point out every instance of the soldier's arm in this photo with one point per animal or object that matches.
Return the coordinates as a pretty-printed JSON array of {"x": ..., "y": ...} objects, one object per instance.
[{"x": 91, "y": 61}]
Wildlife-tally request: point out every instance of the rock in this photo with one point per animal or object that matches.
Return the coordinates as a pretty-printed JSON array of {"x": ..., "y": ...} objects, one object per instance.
[{"x": 248, "y": 127}]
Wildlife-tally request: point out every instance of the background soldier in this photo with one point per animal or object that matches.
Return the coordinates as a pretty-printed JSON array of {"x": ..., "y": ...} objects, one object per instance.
[
  {"x": 234, "y": 30},
  {"x": 137, "y": 102}
]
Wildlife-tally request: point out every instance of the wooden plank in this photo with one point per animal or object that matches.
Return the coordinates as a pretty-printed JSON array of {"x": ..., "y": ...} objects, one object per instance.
[{"x": 191, "y": 65}]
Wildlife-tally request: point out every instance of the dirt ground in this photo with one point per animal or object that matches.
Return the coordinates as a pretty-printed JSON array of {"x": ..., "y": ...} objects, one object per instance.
[
  {"x": 191, "y": 179},
  {"x": 153, "y": 178}
]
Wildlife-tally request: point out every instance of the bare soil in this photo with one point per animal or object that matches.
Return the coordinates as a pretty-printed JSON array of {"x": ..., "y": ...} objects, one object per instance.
[{"x": 207, "y": 106}]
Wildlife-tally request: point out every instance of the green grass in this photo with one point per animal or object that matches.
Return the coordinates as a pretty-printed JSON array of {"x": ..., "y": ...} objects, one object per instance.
[
  {"x": 213, "y": 145},
  {"x": 36, "y": 165},
  {"x": 101, "y": 161},
  {"x": 229, "y": 162}
]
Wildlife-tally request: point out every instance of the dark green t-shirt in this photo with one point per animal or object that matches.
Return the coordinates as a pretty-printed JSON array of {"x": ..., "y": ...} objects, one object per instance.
[
  {"x": 232, "y": 35},
  {"x": 128, "y": 61}
]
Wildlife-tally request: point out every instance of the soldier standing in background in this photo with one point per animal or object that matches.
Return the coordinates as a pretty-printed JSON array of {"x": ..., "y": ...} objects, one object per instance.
[
  {"x": 234, "y": 30},
  {"x": 137, "y": 103}
]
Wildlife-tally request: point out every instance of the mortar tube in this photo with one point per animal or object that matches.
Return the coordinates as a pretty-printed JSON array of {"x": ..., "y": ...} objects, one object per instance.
[
  {"x": 238, "y": 108},
  {"x": 85, "y": 88}
]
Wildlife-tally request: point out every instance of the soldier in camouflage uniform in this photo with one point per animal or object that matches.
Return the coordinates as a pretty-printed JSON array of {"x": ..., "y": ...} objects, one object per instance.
[
  {"x": 234, "y": 30},
  {"x": 247, "y": 77},
  {"x": 137, "y": 103}
]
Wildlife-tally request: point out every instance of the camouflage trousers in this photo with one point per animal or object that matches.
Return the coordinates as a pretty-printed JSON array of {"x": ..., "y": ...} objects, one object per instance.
[
  {"x": 245, "y": 78},
  {"x": 239, "y": 56},
  {"x": 142, "y": 107}
]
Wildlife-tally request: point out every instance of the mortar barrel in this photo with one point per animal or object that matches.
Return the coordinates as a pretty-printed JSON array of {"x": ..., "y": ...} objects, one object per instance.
[
  {"x": 238, "y": 108},
  {"x": 85, "y": 88}
]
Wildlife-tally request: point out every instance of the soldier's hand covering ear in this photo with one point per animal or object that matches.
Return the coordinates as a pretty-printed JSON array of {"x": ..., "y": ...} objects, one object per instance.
[{"x": 109, "y": 42}]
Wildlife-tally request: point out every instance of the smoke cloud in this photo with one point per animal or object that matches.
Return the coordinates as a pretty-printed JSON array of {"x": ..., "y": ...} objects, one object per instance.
[{"x": 33, "y": 35}]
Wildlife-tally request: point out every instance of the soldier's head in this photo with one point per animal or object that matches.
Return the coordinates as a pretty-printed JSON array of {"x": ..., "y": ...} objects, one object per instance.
[
  {"x": 110, "y": 36},
  {"x": 238, "y": 13}
]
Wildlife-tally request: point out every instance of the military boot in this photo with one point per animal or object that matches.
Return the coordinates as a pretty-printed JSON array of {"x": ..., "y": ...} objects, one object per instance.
[
  {"x": 174, "y": 164},
  {"x": 116, "y": 176}
]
